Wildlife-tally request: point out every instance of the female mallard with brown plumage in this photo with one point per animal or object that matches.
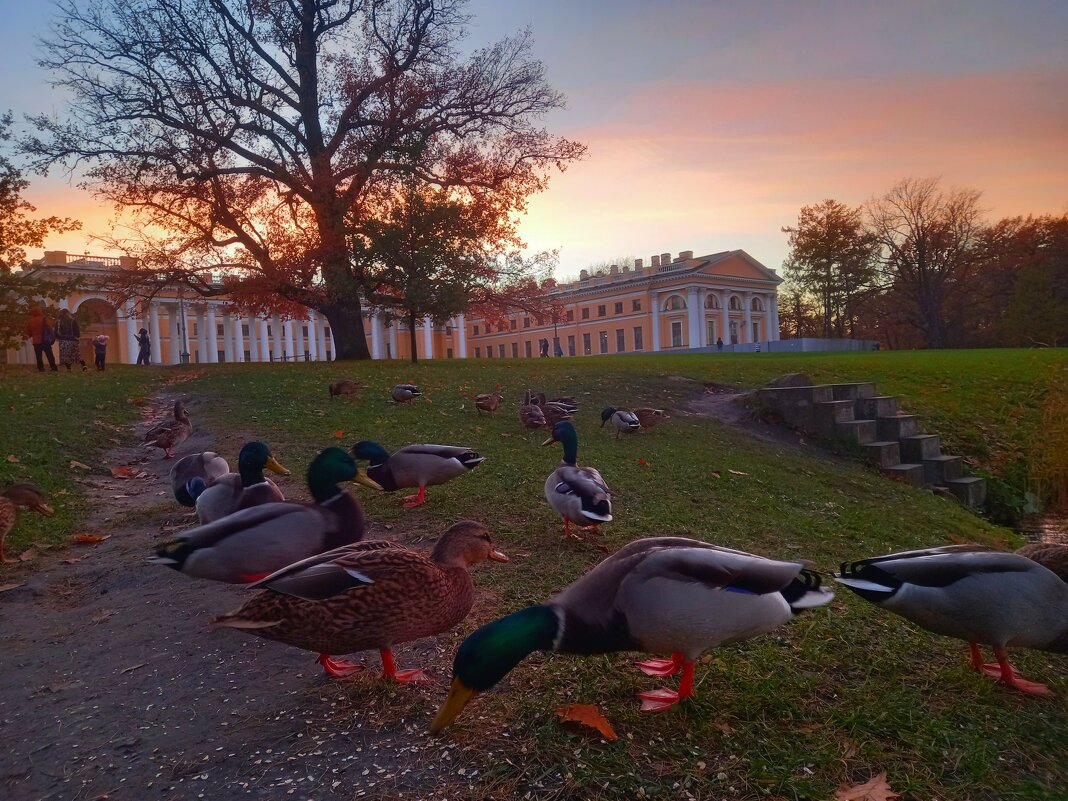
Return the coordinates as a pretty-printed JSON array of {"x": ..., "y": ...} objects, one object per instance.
[
  {"x": 973, "y": 593},
  {"x": 488, "y": 402},
  {"x": 15, "y": 497},
  {"x": 419, "y": 466},
  {"x": 531, "y": 416},
  {"x": 169, "y": 434},
  {"x": 663, "y": 595},
  {"x": 578, "y": 494},
  {"x": 241, "y": 490},
  {"x": 247, "y": 545},
  {"x": 371, "y": 595},
  {"x": 345, "y": 386}
]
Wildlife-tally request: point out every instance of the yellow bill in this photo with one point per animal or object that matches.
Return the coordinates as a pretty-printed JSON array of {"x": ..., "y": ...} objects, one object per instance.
[
  {"x": 366, "y": 480},
  {"x": 459, "y": 697},
  {"x": 275, "y": 467},
  {"x": 498, "y": 556}
]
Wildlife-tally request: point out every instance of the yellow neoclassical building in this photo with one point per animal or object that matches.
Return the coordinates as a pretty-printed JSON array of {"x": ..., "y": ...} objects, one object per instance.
[{"x": 671, "y": 304}]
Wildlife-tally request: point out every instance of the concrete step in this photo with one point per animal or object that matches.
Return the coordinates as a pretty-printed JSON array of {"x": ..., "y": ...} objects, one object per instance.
[
  {"x": 940, "y": 469},
  {"x": 853, "y": 391},
  {"x": 860, "y": 432},
  {"x": 875, "y": 407},
  {"x": 883, "y": 454},
  {"x": 970, "y": 490},
  {"x": 909, "y": 473},
  {"x": 898, "y": 426},
  {"x": 920, "y": 447},
  {"x": 829, "y": 413}
]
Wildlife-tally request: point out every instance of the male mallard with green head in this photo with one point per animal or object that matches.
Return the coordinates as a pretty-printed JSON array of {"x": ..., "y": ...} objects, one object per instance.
[
  {"x": 623, "y": 421},
  {"x": 663, "y": 595},
  {"x": 578, "y": 494},
  {"x": 419, "y": 466}
]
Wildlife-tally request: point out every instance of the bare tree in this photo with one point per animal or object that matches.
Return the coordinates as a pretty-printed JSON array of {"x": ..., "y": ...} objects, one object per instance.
[{"x": 253, "y": 132}]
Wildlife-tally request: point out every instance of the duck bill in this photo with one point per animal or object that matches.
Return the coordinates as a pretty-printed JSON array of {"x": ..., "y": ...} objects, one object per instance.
[
  {"x": 366, "y": 480},
  {"x": 460, "y": 696},
  {"x": 498, "y": 556},
  {"x": 549, "y": 441},
  {"x": 274, "y": 466},
  {"x": 44, "y": 509}
]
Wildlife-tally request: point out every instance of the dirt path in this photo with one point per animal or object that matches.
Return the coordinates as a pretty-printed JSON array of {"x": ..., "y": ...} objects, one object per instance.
[{"x": 112, "y": 685}]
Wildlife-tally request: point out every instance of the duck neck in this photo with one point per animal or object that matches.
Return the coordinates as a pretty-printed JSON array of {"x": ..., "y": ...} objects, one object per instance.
[
  {"x": 351, "y": 526},
  {"x": 488, "y": 655},
  {"x": 570, "y": 451},
  {"x": 251, "y": 475}
]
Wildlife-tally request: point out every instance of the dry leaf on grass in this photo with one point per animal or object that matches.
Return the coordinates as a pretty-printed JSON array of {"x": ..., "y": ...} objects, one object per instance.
[
  {"x": 14, "y": 585},
  {"x": 339, "y": 434},
  {"x": 716, "y": 474},
  {"x": 79, "y": 465},
  {"x": 12, "y": 458},
  {"x": 90, "y": 539},
  {"x": 874, "y": 790},
  {"x": 122, "y": 472},
  {"x": 28, "y": 554},
  {"x": 587, "y": 718},
  {"x": 737, "y": 473}
]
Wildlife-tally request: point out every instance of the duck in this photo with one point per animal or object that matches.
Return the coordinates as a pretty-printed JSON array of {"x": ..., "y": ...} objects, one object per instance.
[
  {"x": 344, "y": 387},
  {"x": 648, "y": 416},
  {"x": 623, "y": 421},
  {"x": 370, "y": 595},
  {"x": 241, "y": 490},
  {"x": 404, "y": 393},
  {"x": 488, "y": 402},
  {"x": 419, "y": 466},
  {"x": 531, "y": 416},
  {"x": 658, "y": 595},
  {"x": 1051, "y": 555},
  {"x": 253, "y": 543},
  {"x": 14, "y": 498},
  {"x": 556, "y": 411},
  {"x": 579, "y": 494},
  {"x": 169, "y": 434},
  {"x": 972, "y": 593},
  {"x": 540, "y": 399},
  {"x": 207, "y": 466}
]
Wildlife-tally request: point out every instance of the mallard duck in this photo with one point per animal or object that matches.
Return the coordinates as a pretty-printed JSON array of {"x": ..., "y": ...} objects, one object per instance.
[
  {"x": 973, "y": 593},
  {"x": 170, "y": 434},
  {"x": 579, "y": 494},
  {"x": 531, "y": 416},
  {"x": 540, "y": 399},
  {"x": 556, "y": 412},
  {"x": 208, "y": 467},
  {"x": 419, "y": 466},
  {"x": 488, "y": 402},
  {"x": 663, "y": 595},
  {"x": 345, "y": 387},
  {"x": 241, "y": 490},
  {"x": 649, "y": 417},
  {"x": 15, "y": 497},
  {"x": 371, "y": 595},
  {"x": 404, "y": 393},
  {"x": 623, "y": 420},
  {"x": 1050, "y": 555},
  {"x": 253, "y": 543}
]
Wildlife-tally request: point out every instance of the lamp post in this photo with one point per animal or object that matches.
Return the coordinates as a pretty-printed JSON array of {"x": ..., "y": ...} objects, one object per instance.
[{"x": 182, "y": 328}]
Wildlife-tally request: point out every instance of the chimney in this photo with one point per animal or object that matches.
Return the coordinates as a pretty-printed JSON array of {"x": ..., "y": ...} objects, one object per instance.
[
  {"x": 614, "y": 269},
  {"x": 626, "y": 270},
  {"x": 654, "y": 261},
  {"x": 685, "y": 255},
  {"x": 637, "y": 265},
  {"x": 55, "y": 257},
  {"x": 665, "y": 259},
  {"x": 584, "y": 275},
  {"x": 127, "y": 262}
]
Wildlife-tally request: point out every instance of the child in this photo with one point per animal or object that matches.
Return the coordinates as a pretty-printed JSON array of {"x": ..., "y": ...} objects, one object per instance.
[{"x": 100, "y": 348}]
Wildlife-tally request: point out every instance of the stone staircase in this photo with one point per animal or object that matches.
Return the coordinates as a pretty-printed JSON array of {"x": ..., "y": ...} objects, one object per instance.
[{"x": 854, "y": 415}]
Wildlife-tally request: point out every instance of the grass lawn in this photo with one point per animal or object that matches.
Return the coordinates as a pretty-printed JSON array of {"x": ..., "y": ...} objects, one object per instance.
[{"x": 841, "y": 694}]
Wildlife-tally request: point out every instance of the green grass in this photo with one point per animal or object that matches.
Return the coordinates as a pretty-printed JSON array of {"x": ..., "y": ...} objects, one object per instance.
[{"x": 843, "y": 693}]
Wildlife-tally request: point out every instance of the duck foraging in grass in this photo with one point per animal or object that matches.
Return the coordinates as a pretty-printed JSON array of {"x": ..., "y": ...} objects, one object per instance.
[
  {"x": 488, "y": 402},
  {"x": 623, "y": 421},
  {"x": 199, "y": 470},
  {"x": 419, "y": 466},
  {"x": 649, "y": 417},
  {"x": 531, "y": 417},
  {"x": 972, "y": 593},
  {"x": 241, "y": 490},
  {"x": 15, "y": 497},
  {"x": 169, "y": 434},
  {"x": 252, "y": 543},
  {"x": 344, "y": 387},
  {"x": 371, "y": 595},
  {"x": 578, "y": 494},
  {"x": 405, "y": 393},
  {"x": 666, "y": 595}
]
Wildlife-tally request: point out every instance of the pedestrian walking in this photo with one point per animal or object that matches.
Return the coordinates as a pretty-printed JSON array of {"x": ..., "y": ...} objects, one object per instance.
[
  {"x": 100, "y": 349},
  {"x": 719, "y": 343},
  {"x": 68, "y": 333},
  {"x": 39, "y": 330},
  {"x": 144, "y": 347}
]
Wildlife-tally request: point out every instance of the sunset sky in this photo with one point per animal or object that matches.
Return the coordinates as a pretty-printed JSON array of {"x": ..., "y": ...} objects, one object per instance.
[{"x": 709, "y": 124}]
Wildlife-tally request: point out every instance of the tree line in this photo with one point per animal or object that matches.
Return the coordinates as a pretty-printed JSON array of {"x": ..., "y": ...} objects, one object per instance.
[{"x": 919, "y": 267}]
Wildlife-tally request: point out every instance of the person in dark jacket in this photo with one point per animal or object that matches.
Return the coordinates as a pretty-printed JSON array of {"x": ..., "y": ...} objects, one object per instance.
[
  {"x": 68, "y": 333},
  {"x": 100, "y": 349},
  {"x": 144, "y": 347},
  {"x": 39, "y": 330}
]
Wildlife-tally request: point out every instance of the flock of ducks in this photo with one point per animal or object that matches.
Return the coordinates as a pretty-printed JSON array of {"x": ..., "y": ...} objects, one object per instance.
[{"x": 325, "y": 589}]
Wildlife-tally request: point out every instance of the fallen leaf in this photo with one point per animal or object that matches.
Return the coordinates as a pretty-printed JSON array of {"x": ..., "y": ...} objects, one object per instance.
[
  {"x": 73, "y": 561},
  {"x": 13, "y": 458},
  {"x": 122, "y": 472},
  {"x": 716, "y": 474},
  {"x": 102, "y": 615},
  {"x": 724, "y": 727},
  {"x": 643, "y": 463},
  {"x": 6, "y": 587},
  {"x": 132, "y": 668},
  {"x": 28, "y": 554},
  {"x": 91, "y": 539},
  {"x": 588, "y": 718},
  {"x": 79, "y": 465},
  {"x": 737, "y": 473},
  {"x": 339, "y": 434},
  {"x": 874, "y": 790}
]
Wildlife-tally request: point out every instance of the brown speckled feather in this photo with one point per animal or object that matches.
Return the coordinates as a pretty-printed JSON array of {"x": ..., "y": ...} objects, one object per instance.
[{"x": 1050, "y": 555}]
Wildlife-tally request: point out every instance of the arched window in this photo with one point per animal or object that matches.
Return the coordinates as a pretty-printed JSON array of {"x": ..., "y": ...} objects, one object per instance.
[
  {"x": 675, "y": 303},
  {"x": 757, "y": 305},
  {"x": 735, "y": 304},
  {"x": 711, "y": 301}
]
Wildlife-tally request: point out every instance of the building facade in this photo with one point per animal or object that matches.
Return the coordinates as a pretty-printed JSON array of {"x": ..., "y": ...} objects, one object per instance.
[{"x": 673, "y": 304}]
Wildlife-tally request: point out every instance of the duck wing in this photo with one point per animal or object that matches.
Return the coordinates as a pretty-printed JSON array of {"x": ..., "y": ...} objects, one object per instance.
[
  {"x": 323, "y": 575},
  {"x": 929, "y": 567}
]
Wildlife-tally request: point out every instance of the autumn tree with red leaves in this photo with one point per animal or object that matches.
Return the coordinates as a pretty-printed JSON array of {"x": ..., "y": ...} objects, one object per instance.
[{"x": 259, "y": 135}]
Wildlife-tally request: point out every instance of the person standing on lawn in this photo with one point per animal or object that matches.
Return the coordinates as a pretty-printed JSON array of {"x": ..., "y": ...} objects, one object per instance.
[
  {"x": 144, "y": 347},
  {"x": 39, "y": 330},
  {"x": 68, "y": 334},
  {"x": 100, "y": 348}
]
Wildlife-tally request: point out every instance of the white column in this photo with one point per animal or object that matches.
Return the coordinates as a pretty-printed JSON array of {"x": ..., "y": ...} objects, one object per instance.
[
  {"x": 213, "y": 336},
  {"x": 461, "y": 326},
  {"x": 175, "y": 334},
  {"x": 313, "y": 340},
  {"x": 202, "y": 338},
  {"x": 290, "y": 340},
  {"x": 333, "y": 345},
  {"x": 773, "y": 319},
  {"x": 131, "y": 332},
  {"x": 656, "y": 322},
  {"x": 262, "y": 338},
  {"x": 228, "y": 337},
  {"x": 276, "y": 338},
  {"x": 748, "y": 303},
  {"x": 376, "y": 335},
  {"x": 239, "y": 339},
  {"x": 320, "y": 338},
  {"x": 153, "y": 332},
  {"x": 428, "y": 338},
  {"x": 393, "y": 340},
  {"x": 725, "y": 321},
  {"x": 693, "y": 322}
]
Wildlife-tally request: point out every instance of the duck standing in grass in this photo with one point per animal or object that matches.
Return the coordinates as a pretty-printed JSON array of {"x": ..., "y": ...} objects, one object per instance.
[
  {"x": 663, "y": 595},
  {"x": 208, "y": 467},
  {"x": 648, "y": 416},
  {"x": 531, "y": 416},
  {"x": 578, "y": 494},
  {"x": 623, "y": 421},
  {"x": 419, "y": 466},
  {"x": 241, "y": 490},
  {"x": 371, "y": 595},
  {"x": 405, "y": 393},
  {"x": 169, "y": 434},
  {"x": 15, "y": 497},
  {"x": 344, "y": 387},
  {"x": 973, "y": 593},
  {"x": 488, "y": 402},
  {"x": 252, "y": 543}
]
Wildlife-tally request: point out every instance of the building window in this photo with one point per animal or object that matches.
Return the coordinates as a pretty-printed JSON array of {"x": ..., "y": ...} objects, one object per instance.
[
  {"x": 602, "y": 310},
  {"x": 303, "y": 330},
  {"x": 757, "y": 305},
  {"x": 619, "y": 308},
  {"x": 603, "y": 337},
  {"x": 515, "y": 350},
  {"x": 586, "y": 313},
  {"x": 448, "y": 353},
  {"x": 248, "y": 356},
  {"x": 638, "y": 344},
  {"x": 710, "y": 332},
  {"x": 475, "y": 331},
  {"x": 711, "y": 301},
  {"x": 676, "y": 334},
  {"x": 514, "y": 321},
  {"x": 489, "y": 351},
  {"x": 621, "y": 341},
  {"x": 326, "y": 332},
  {"x": 526, "y": 348},
  {"x": 500, "y": 350},
  {"x": 526, "y": 322},
  {"x": 756, "y": 331},
  {"x": 636, "y": 304},
  {"x": 478, "y": 353},
  {"x": 448, "y": 330},
  {"x": 244, "y": 330},
  {"x": 675, "y": 303},
  {"x": 735, "y": 304},
  {"x": 586, "y": 350},
  {"x": 220, "y": 333},
  {"x": 734, "y": 331},
  {"x": 571, "y": 315},
  {"x": 570, "y": 346}
]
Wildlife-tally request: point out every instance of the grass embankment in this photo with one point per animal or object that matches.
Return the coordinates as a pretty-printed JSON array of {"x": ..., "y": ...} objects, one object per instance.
[
  {"x": 841, "y": 694},
  {"x": 52, "y": 419}
]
